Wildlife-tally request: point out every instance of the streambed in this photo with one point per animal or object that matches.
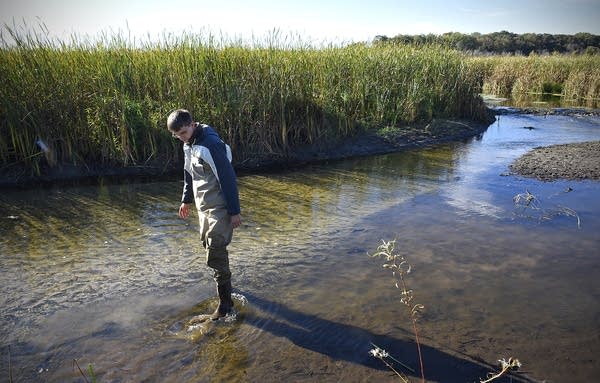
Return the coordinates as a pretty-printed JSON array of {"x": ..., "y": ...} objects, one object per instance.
[{"x": 106, "y": 274}]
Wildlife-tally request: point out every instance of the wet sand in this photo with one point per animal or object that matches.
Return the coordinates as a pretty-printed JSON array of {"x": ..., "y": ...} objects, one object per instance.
[{"x": 577, "y": 161}]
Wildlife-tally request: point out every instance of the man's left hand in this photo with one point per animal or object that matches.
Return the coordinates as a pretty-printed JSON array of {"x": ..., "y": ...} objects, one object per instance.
[{"x": 236, "y": 221}]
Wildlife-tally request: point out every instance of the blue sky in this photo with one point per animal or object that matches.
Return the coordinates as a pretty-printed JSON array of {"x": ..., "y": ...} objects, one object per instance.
[{"x": 313, "y": 20}]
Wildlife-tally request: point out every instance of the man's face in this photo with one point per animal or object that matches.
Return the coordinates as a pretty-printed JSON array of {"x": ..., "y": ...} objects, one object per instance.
[{"x": 185, "y": 133}]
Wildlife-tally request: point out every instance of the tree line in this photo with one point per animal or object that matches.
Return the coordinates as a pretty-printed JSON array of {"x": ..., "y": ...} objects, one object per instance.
[{"x": 504, "y": 42}]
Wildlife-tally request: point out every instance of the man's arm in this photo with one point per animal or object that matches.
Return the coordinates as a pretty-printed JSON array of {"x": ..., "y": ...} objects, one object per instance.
[
  {"x": 188, "y": 189},
  {"x": 227, "y": 179},
  {"x": 188, "y": 195}
]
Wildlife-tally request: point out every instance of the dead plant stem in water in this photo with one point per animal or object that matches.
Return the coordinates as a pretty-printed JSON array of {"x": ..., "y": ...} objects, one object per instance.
[
  {"x": 90, "y": 370},
  {"x": 528, "y": 201},
  {"x": 10, "y": 379},
  {"x": 76, "y": 364},
  {"x": 506, "y": 366},
  {"x": 400, "y": 267},
  {"x": 381, "y": 354}
]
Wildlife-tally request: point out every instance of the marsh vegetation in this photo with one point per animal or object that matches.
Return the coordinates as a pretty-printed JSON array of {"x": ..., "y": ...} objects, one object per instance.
[
  {"x": 103, "y": 102},
  {"x": 106, "y": 102},
  {"x": 574, "y": 78}
]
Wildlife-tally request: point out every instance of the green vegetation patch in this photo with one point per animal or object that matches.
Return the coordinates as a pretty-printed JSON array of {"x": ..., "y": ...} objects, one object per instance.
[{"x": 106, "y": 103}]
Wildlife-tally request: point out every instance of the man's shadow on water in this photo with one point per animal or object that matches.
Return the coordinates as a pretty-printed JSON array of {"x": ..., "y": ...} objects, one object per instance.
[{"x": 350, "y": 343}]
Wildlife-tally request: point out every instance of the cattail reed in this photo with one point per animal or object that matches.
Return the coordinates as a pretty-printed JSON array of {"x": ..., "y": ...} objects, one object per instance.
[
  {"x": 576, "y": 78},
  {"x": 104, "y": 102}
]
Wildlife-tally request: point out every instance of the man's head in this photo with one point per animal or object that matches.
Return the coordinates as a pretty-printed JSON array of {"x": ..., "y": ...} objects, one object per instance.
[{"x": 180, "y": 124}]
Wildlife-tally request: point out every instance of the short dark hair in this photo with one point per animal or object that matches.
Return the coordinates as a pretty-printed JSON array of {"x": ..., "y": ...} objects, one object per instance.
[{"x": 178, "y": 119}]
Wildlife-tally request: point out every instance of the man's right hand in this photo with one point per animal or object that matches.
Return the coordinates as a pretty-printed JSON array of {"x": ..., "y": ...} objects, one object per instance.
[{"x": 184, "y": 210}]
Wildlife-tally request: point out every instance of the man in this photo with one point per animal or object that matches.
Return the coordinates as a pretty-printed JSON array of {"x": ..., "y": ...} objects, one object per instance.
[{"x": 210, "y": 182}]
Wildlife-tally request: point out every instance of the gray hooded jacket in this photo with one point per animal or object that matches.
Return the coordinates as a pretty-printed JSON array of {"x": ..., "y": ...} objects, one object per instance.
[{"x": 209, "y": 177}]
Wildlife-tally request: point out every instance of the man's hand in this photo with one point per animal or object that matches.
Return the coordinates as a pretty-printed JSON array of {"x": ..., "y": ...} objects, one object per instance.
[
  {"x": 184, "y": 210},
  {"x": 236, "y": 221}
]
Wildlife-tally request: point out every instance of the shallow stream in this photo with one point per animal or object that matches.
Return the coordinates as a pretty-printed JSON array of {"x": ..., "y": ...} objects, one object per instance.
[{"x": 108, "y": 275}]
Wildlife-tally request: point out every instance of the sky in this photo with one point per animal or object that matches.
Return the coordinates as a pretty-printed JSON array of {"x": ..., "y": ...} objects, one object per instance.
[{"x": 312, "y": 20}]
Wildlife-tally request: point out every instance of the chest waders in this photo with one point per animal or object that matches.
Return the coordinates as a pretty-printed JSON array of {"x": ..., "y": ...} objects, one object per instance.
[
  {"x": 216, "y": 234},
  {"x": 216, "y": 231}
]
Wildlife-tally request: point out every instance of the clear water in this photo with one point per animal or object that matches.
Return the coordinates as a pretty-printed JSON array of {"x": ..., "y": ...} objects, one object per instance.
[{"x": 108, "y": 275}]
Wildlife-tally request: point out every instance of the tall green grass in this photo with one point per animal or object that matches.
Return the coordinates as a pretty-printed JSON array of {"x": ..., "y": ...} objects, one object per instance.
[
  {"x": 574, "y": 77},
  {"x": 106, "y": 102}
]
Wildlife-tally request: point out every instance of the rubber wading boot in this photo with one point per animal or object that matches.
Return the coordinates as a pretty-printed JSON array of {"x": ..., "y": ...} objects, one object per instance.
[{"x": 225, "y": 302}]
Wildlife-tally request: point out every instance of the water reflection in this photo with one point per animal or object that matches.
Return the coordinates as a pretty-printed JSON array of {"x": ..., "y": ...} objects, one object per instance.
[
  {"x": 102, "y": 273},
  {"x": 541, "y": 101}
]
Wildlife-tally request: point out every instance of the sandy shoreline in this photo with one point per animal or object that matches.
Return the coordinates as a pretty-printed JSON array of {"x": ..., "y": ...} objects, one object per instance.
[{"x": 577, "y": 161}]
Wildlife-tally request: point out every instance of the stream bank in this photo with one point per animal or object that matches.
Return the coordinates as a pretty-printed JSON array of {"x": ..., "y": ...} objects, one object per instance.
[
  {"x": 540, "y": 164},
  {"x": 365, "y": 144}
]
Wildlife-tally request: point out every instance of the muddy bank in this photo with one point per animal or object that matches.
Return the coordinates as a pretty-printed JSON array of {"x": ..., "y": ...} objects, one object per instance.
[
  {"x": 578, "y": 161},
  {"x": 384, "y": 141},
  {"x": 369, "y": 143},
  {"x": 575, "y": 160}
]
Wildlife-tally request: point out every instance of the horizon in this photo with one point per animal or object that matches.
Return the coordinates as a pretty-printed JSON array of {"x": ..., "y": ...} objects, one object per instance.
[{"x": 313, "y": 21}]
